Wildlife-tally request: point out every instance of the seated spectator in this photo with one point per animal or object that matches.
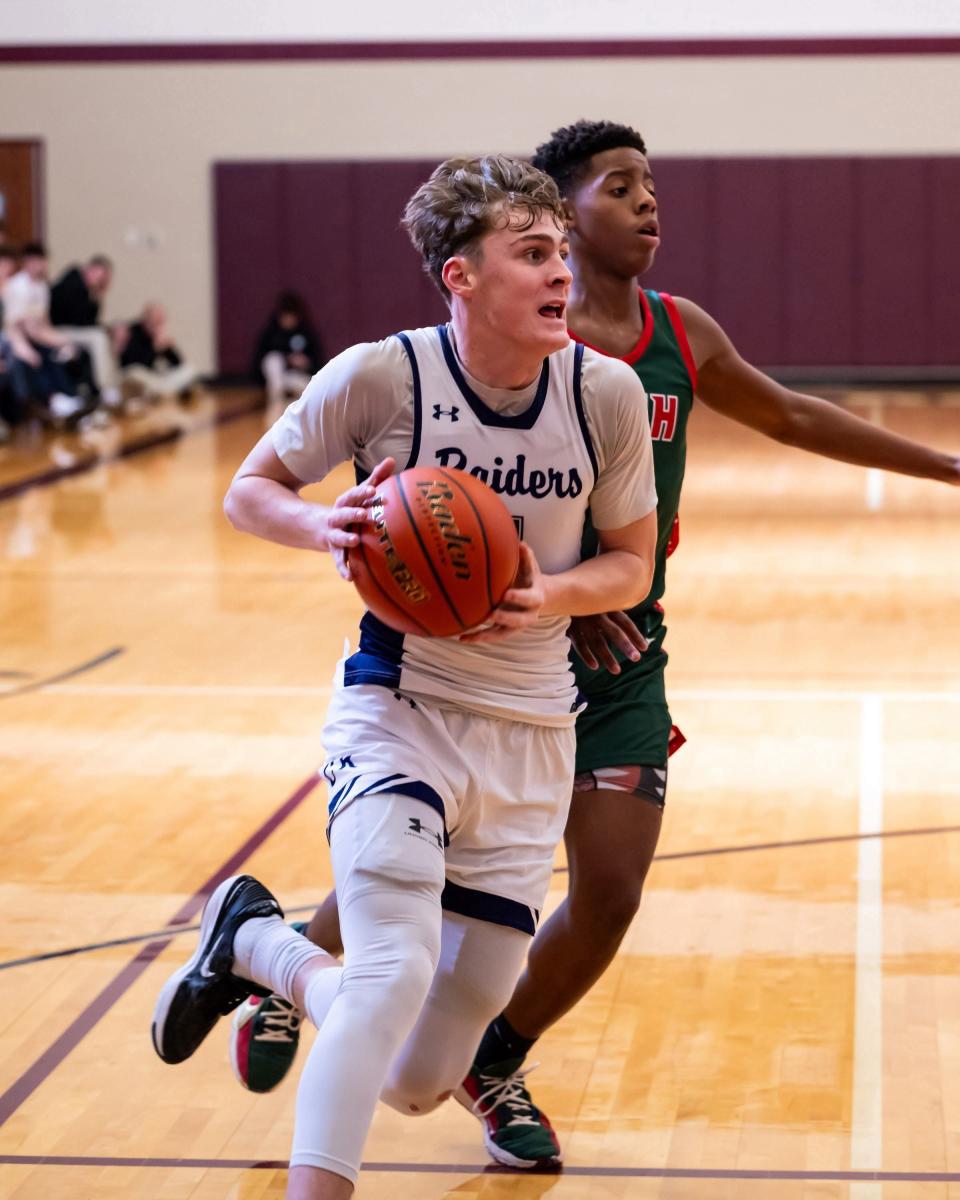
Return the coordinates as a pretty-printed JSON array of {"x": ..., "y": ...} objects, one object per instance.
[
  {"x": 40, "y": 355},
  {"x": 9, "y": 408},
  {"x": 288, "y": 351},
  {"x": 75, "y": 301},
  {"x": 10, "y": 413},
  {"x": 150, "y": 363}
]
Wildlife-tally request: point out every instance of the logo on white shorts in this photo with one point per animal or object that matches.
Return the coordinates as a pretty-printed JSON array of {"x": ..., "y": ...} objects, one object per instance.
[{"x": 419, "y": 830}]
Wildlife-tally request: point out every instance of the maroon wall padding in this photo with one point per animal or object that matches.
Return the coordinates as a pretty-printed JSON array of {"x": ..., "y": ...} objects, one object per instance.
[
  {"x": 819, "y": 290},
  {"x": 329, "y": 230},
  {"x": 944, "y": 239},
  {"x": 818, "y": 262},
  {"x": 896, "y": 263},
  {"x": 805, "y": 262}
]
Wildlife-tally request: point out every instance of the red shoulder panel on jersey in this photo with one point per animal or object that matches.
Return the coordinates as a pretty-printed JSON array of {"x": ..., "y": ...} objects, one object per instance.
[
  {"x": 643, "y": 342},
  {"x": 681, "y": 335}
]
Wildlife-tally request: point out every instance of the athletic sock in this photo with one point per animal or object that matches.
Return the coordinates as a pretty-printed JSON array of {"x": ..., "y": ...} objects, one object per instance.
[
  {"x": 321, "y": 991},
  {"x": 269, "y": 952},
  {"x": 501, "y": 1043}
]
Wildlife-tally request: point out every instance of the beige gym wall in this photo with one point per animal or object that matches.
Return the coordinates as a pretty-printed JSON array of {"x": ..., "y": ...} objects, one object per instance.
[{"x": 130, "y": 147}]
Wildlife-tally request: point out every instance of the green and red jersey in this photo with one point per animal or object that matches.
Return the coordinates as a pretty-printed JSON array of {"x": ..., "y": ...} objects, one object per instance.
[{"x": 663, "y": 361}]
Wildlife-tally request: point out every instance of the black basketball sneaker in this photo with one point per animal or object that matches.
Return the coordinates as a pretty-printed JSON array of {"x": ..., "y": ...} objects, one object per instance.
[{"x": 195, "y": 997}]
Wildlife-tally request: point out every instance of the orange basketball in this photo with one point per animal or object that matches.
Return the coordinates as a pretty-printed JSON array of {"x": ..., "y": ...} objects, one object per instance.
[{"x": 439, "y": 555}]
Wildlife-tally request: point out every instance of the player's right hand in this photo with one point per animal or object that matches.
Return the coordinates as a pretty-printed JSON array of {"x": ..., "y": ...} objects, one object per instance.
[
  {"x": 594, "y": 638},
  {"x": 520, "y": 606},
  {"x": 350, "y": 509}
]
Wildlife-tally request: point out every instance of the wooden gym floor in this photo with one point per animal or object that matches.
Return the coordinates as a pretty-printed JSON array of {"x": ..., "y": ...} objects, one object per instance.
[{"x": 784, "y": 1019}]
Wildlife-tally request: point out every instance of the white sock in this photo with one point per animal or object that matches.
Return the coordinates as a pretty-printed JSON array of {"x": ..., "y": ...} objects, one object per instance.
[
  {"x": 270, "y": 953},
  {"x": 320, "y": 992}
]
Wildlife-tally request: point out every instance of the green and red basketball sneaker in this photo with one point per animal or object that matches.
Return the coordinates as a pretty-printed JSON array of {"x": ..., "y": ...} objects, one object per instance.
[
  {"x": 264, "y": 1038},
  {"x": 515, "y": 1132}
]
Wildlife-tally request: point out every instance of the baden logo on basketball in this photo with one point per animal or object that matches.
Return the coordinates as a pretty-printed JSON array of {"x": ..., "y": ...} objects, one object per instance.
[
  {"x": 404, "y": 578},
  {"x": 438, "y": 496},
  {"x": 438, "y": 554}
]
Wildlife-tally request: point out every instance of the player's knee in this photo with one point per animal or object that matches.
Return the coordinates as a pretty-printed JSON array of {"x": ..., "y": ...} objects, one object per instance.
[
  {"x": 412, "y": 1100},
  {"x": 417, "y": 1084},
  {"x": 603, "y": 906},
  {"x": 399, "y": 977}
]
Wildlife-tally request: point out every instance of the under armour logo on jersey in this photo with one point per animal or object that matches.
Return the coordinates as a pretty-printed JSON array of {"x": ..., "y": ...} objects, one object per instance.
[
  {"x": 453, "y": 413},
  {"x": 418, "y": 828}
]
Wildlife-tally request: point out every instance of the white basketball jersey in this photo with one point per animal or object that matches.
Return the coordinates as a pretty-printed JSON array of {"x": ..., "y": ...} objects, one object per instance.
[{"x": 542, "y": 465}]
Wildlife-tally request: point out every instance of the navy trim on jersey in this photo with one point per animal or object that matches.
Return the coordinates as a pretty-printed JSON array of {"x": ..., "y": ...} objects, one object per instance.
[
  {"x": 581, "y": 415},
  {"x": 417, "y": 399},
  {"x": 378, "y": 657},
  {"x": 485, "y": 906},
  {"x": 484, "y": 414}
]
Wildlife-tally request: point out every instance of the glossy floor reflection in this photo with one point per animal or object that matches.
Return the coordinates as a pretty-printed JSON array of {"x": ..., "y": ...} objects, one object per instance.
[{"x": 785, "y": 1011}]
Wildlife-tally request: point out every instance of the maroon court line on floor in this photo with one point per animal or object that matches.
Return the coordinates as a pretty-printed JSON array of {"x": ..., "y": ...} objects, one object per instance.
[
  {"x": 706, "y": 1173},
  {"x": 51, "y": 1058},
  {"x": 139, "y": 445},
  {"x": 54, "y": 474},
  {"x": 133, "y": 938}
]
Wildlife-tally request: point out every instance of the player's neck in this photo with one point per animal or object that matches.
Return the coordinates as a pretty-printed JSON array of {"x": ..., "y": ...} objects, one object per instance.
[
  {"x": 601, "y": 300},
  {"x": 491, "y": 360}
]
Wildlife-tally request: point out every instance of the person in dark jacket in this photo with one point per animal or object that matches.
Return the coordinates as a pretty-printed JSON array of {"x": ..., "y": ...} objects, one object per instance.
[
  {"x": 289, "y": 350},
  {"x": 150, "y": 361},
  {"x": 75, "y": 303}
]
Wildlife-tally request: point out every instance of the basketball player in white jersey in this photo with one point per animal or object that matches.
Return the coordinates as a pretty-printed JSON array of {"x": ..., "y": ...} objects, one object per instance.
[{"x": 450, "y": 760}]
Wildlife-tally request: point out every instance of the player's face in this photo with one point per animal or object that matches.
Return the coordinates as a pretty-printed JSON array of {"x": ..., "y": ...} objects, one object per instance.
[
  {"x": 613, "y": 213},
  {"x": 521, "y": 283}
]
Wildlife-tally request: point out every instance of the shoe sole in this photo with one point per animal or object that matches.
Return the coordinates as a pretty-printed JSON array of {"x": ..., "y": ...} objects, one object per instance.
[
  {"x": 208, "y": 924},
  {"x": 246, "y": 1012},
  {"x": 497, "y": 1153}
]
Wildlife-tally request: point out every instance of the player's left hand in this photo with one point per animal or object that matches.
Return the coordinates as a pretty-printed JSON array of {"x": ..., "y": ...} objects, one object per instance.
[
  {"x": 594, "y": 639},
  {"x": 351, "y": 510},
  {"x": 520, "y": 606}
]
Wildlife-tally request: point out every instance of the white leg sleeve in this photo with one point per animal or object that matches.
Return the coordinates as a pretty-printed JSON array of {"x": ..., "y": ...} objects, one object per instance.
[
  {"x": 479, "y": 966},
  {"x": 389, "y": 875}
]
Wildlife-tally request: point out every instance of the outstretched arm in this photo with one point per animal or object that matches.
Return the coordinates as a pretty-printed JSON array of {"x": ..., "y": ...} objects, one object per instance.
[
  {"x": 264, "y": 499},
  {"x": 619, "y": 576},
  {"x": 729, "y": 384}
]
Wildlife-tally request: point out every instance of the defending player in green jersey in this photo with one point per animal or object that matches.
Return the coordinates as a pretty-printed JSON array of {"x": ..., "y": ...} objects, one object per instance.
[{"x": 625, "y": 736}]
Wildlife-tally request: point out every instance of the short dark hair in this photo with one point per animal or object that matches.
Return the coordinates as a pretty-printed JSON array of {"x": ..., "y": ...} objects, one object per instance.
[
  {"x": 7, "y": 252},
  {"x": 34, "y": 250},
  {"x": 463, "y": 200},
  {"x": 564, "y": 157},
  {"x": 291, "y": 302},
  {"x": 100, "y": 260}
]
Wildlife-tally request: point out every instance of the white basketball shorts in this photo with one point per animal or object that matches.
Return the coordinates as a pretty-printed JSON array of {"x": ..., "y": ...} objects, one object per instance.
[{"x": 502, "y": 788}]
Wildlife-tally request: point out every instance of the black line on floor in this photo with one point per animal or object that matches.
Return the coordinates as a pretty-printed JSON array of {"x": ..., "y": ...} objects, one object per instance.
[{"x": 36, "y": 684}]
